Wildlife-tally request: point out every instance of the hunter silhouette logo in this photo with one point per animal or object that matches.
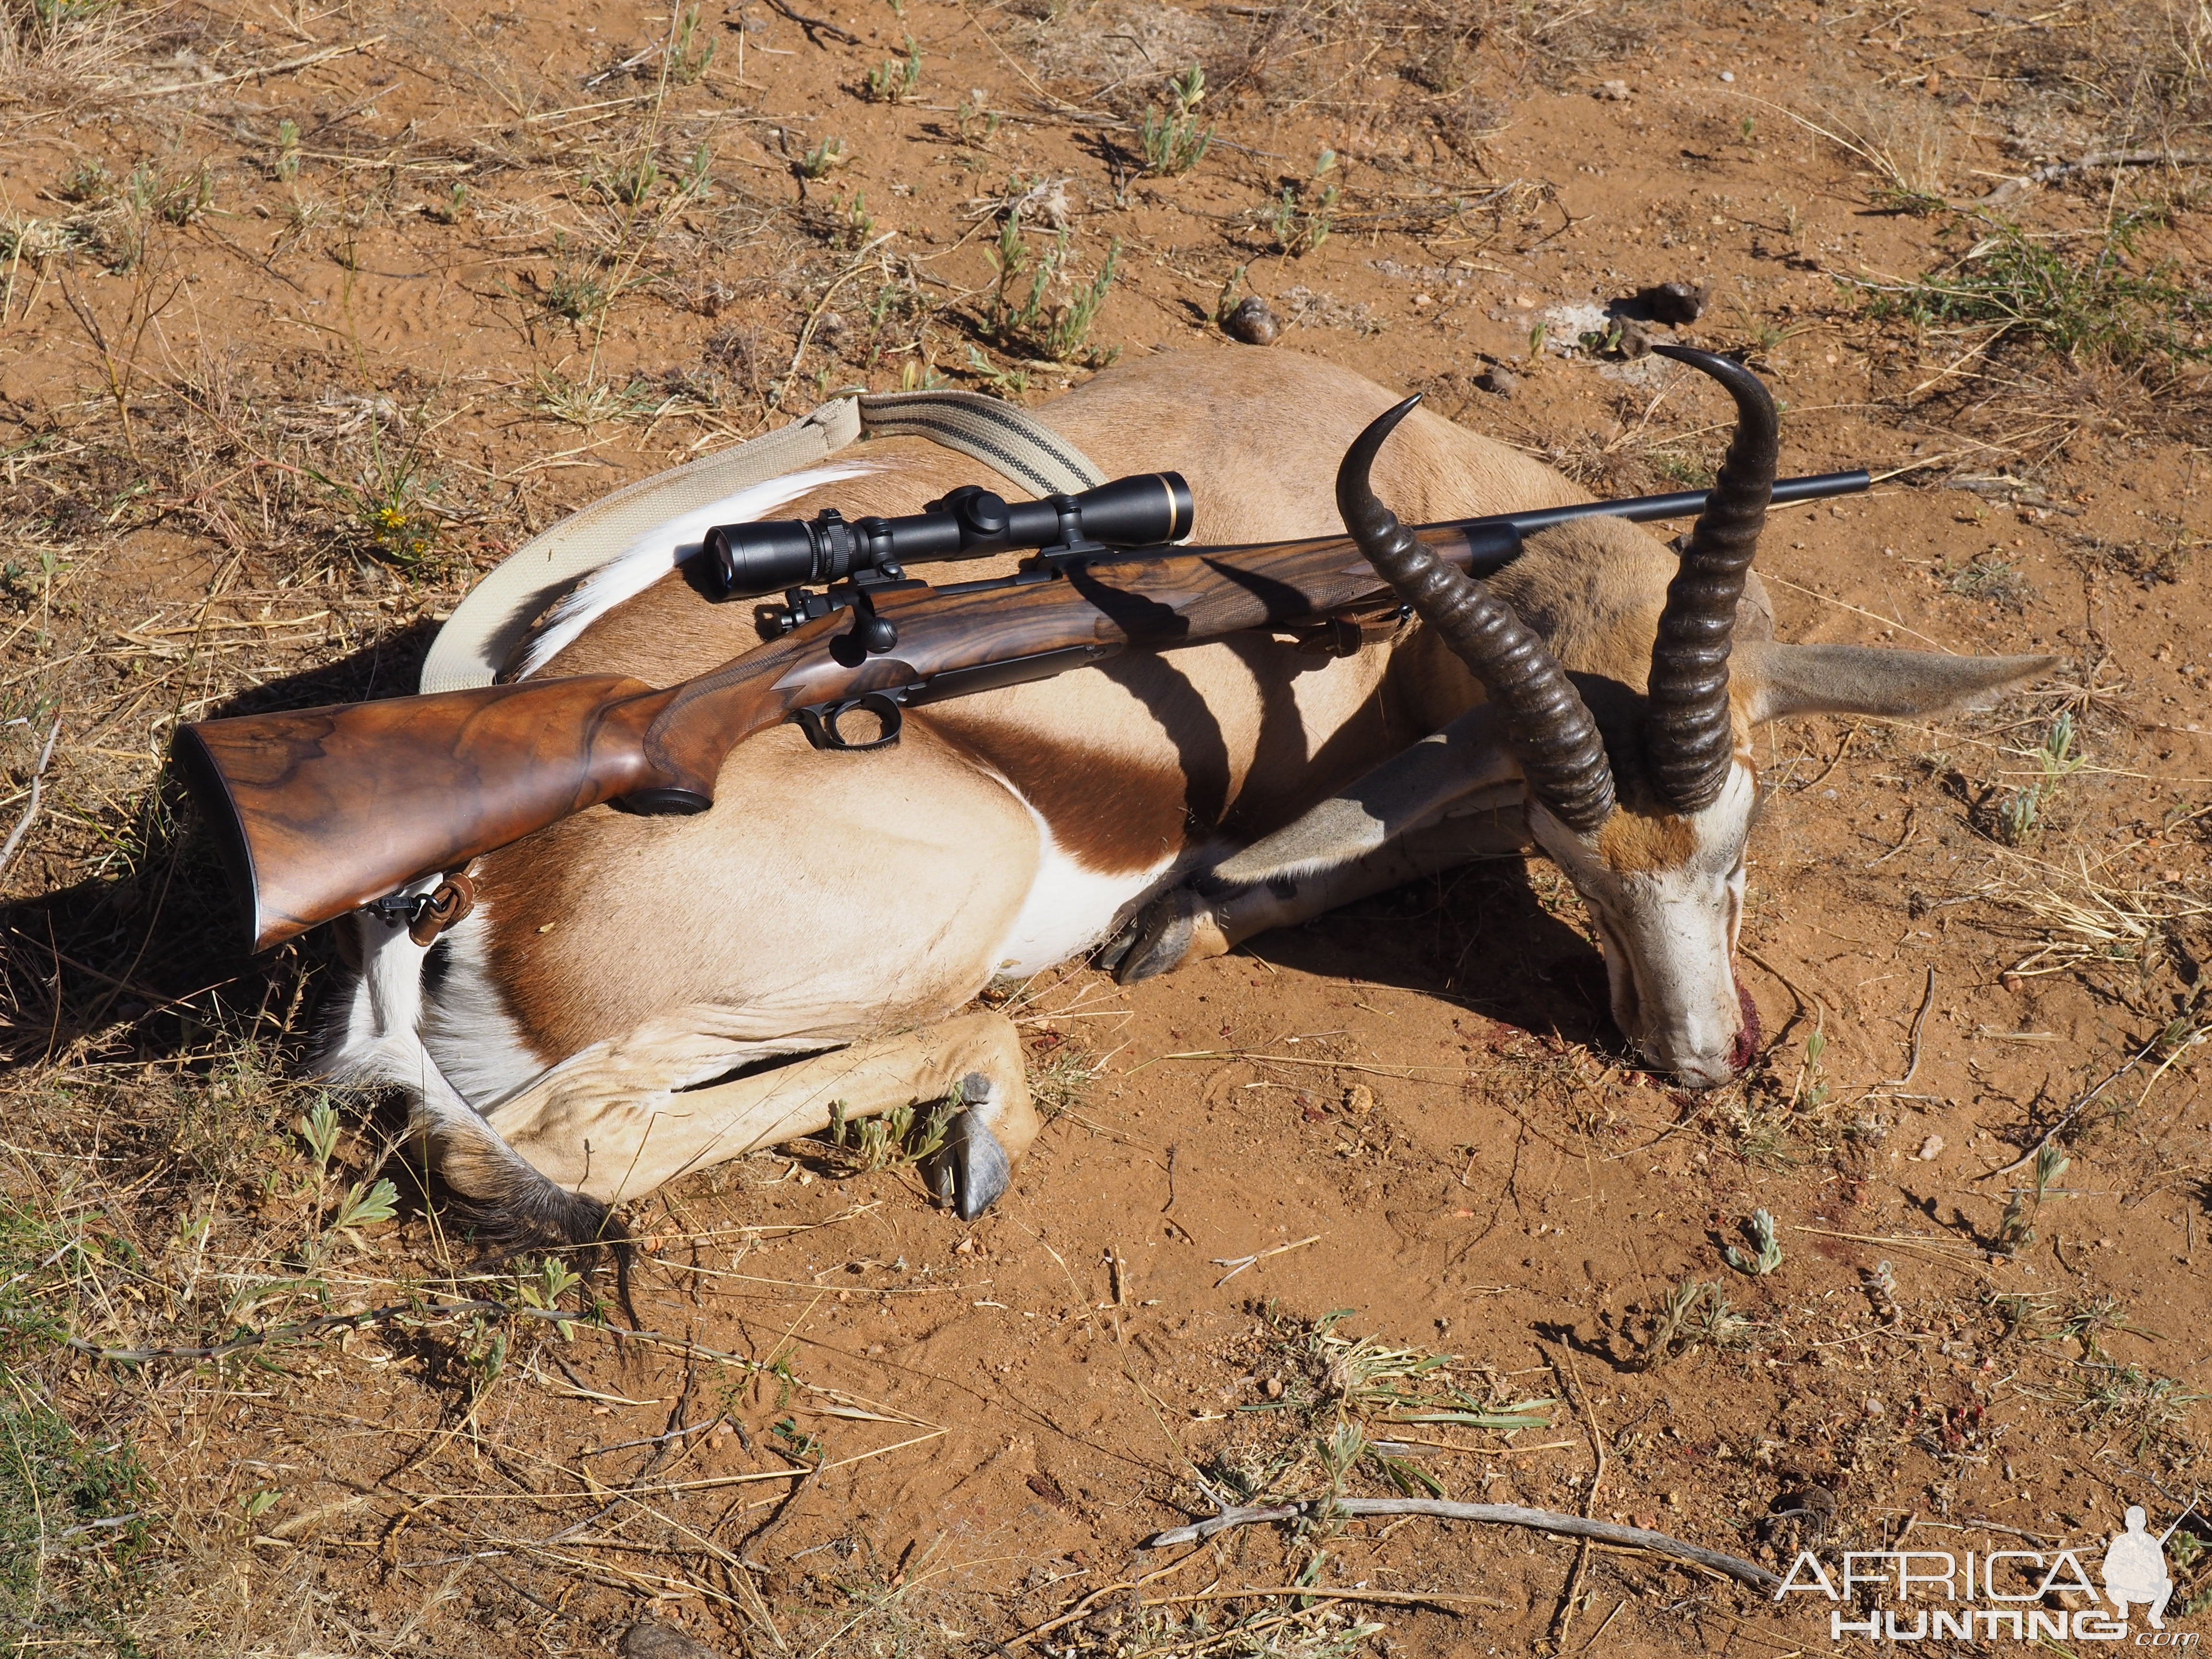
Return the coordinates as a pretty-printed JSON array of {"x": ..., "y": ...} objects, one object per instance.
[
  {"x": 2134, "y": 1570},
  {"x": 2004, "y": 1593}
]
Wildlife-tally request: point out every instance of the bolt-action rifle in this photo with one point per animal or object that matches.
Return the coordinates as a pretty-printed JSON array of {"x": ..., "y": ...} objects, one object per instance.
[{"x": 318, "y": 812}]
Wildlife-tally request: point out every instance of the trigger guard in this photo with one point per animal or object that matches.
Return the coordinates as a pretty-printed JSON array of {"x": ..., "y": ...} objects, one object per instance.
[{"x": 820, "y": 723}]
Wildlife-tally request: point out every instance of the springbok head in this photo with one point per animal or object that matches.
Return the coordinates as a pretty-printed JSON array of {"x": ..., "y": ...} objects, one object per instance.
[{"x": 1652, "y": 832}]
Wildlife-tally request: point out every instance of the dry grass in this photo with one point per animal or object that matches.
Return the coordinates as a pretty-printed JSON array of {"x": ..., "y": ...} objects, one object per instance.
[
  {"x": 2074, "y": 917},
  {"x": 194, "y": 522}
]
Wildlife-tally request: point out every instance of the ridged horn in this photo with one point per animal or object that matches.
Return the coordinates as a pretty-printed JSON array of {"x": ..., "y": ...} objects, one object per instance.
[
  {"x": 1548, "y": 728},
  {"x": 1689, "y": 739}
]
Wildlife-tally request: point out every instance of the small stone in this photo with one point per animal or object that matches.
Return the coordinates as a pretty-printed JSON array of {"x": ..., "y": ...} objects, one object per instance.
[
  {"x": 1929, "y": 1149},
  {"x": 1358, "y": 1100},
  {"x": 1612, "y": 92},
  {"x": 1273, "y": 1388},
  {"x": 650, "y": 1639},
  {"x": 1634, "y": 343},
  {"x": 1728, "y": 76},
  {"x": 1253, "y": 322},
  {"x": 1499, "y": 379},
  {"x": 1674, "y": 303}
]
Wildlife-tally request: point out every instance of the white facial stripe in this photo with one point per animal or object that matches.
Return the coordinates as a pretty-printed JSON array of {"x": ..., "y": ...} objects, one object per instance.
[{"x": 1670, "y": 933}]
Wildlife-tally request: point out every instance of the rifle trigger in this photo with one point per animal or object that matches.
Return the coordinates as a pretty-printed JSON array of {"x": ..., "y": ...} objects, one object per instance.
[{"x": 820, "y": 722}]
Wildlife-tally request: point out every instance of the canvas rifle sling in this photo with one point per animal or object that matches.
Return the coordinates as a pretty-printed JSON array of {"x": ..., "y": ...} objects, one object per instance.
[{"x": 483, "y": 632}]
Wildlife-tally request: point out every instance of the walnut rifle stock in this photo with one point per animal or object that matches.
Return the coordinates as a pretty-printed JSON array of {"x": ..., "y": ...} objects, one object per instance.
[{"x": 320, "y": 810}]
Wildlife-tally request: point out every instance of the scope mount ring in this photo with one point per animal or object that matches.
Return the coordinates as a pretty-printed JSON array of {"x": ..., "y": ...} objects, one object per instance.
[{"x": 820, "y": 722}]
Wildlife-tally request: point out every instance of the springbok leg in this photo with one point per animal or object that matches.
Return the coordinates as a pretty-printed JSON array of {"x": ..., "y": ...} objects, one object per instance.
[
  {"x": 611, "y": 1130},
  {"x": 1453, "y": 796}
]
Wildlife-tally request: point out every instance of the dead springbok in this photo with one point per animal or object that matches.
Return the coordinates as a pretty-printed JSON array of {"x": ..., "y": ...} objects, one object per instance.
[{"x": 634, "y": 997}]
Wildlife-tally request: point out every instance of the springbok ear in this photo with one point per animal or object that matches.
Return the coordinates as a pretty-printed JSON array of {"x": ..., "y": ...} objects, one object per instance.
[{"x": 1856, "y": 679}]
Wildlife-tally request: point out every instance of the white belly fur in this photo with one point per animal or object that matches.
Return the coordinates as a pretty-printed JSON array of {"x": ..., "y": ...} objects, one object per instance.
[{"x": 1069, "y": 909}]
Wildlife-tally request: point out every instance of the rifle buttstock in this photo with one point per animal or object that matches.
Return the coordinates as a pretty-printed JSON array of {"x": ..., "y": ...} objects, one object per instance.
[{"x": 318, "y": 811}]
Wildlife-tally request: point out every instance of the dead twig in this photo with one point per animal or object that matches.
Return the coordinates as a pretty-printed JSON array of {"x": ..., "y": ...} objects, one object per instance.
[
  {"x": 1570, "y": 1385},
  {"x": 2091, "y": 162},
  {"x": 1919, "y": 1025},
  {"x": 1238, "y": 1264},
  {"x": 284, "y": 68},
  {"x": 812, "y": 25},
  {"x": 1497, "y": 1515},
  {"x": 30, "y": 807}
]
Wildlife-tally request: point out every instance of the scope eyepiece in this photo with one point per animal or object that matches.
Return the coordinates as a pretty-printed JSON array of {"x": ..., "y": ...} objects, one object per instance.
[{"x": 749, "y": 560}]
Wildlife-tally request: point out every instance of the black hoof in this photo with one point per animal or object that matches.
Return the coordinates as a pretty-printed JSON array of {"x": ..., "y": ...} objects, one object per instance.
[
  {"x": 971, "y": 1171},
  {"x": 1160, "y": 938}
]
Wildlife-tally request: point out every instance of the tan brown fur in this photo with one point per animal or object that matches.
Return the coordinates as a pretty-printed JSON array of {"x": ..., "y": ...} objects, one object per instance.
[
  {"x": 597, "y": 922},
  {"x": 834, "y": 899}
]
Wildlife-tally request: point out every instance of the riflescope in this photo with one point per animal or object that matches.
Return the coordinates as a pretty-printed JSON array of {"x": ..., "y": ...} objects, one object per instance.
[{"x": 748, "y": 560}]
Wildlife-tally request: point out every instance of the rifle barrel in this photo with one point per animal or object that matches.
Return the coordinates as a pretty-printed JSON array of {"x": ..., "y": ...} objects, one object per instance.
[{"x": 1642, "y": 509}]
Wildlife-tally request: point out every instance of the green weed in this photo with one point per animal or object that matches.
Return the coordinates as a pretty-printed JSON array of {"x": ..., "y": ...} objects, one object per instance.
[
  {"x": 1009, "y": 383},
  {"x": 2016, "y": 1226},
  {"x": 1765, "y": 1253},
  {"x": 1171, "y": 141},
  {"x": 2110, "y": 301},
  {"x": 853, "y": 224},
  {"x": 73, "y": 1512},
  {"x": 898, "y": 1138},
  {"x": 824, "y": 159},
  {"x": 388, "y": 506},
  {"x": 150, "y": 193},
  {"x": 71, "y": 1517},
  {"x": 286, "y": 167},
  {"x": 543, "y": 1288},
  {"x": 628, "y": 184},
  {"x": 1987, "y": 577},
  {"x": 592, "y": 401},
  {"x": 1024, "y": 316},
  {"x": 2139, "y": 1405},
  {"x": 577, "y": 289},
  {"x": 87, "y": 181},
  {"x": 1694, "y": 1315},
  {"x": 691, "y": 52},
  {"x": 2019, "y": 816},
  {"x": 976, "y": 125},
  {"x": 1302, "y": 215},
  {"x": 897, "y": 80}
]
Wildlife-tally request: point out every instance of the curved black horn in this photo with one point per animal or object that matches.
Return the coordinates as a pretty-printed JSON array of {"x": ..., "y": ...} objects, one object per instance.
[
  {"x": 1689, "y": 738},
  {"x": 1547, "y": 725}
]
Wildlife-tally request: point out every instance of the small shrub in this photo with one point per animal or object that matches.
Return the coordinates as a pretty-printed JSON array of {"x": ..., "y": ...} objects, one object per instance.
[
  {"x": 1172, "y": 141},
  {"x": 689, "y": 52},
  {"x": 2108, "y": 302},
  {"x": 1303, "y": 216},
  {"x": 897, "y": 80},
  {"x": 1024, "y": 316},
  {"x": 824, "y": 159}
]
